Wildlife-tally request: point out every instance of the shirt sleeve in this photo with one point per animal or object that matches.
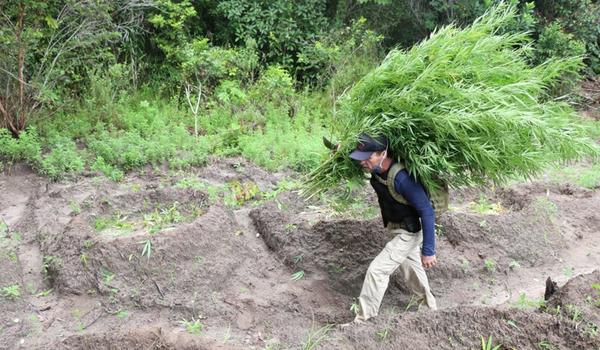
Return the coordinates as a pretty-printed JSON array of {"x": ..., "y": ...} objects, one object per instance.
[{"x": 415, "y": 194}]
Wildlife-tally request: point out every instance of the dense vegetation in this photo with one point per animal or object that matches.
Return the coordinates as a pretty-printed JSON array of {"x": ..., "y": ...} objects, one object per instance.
[{"x": 112, "y": 86}]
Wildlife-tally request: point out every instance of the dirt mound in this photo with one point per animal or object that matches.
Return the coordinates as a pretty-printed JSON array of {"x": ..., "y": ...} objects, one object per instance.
[
  {"x": 342, "y": 249},
  {"x": 335, "y": 248},
  {"x": 579, "y": 301},
  {"x": 145, "y": 338},
  {"x": 175, "y": 268},
  {"x": 463, "y": 328}
]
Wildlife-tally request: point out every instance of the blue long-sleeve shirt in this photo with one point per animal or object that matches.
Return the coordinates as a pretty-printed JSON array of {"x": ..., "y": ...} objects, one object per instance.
[{"x": 415, "y": 194}]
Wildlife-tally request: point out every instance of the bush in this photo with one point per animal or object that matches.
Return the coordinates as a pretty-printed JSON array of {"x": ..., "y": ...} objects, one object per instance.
[
  {"x": 555, "y": 42},
  {"x": 26, "y": 148},
  {"x": 275, "y": 85},
  {"x": 63, "y": 159}
]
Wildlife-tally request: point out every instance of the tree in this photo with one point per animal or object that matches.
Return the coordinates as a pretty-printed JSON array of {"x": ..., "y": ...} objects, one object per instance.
[{"x": 47, "y": 45}]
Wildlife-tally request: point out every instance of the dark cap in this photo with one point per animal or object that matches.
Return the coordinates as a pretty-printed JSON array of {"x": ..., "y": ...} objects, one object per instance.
[{"x": 368, "y": 145}]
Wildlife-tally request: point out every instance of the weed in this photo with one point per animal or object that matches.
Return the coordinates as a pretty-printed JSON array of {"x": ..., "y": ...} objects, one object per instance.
[
  {"x": 574, "y": 312},
  {"x": 296, "y": 259},
  {"x": 488, "y": 345},
  {"x": 75, "y": 208},
  {"x": 524, "y": 303},
  {"x": 199, "y": 260},
  {"x": 101, "y": 224},
  {"x": 16, "y": 236},
  {"x": 282, "y": 186},
  {"x": 193, "y": 326},
  {"x": 568, "y": 272},
  {"x": 512, "y": 324},
  {"x": 83, "y": 257},
  {"x": 591, "y": 329},
  {"x": 546, "y": 345},
  {"x": 87, "y": 244},
  {"x": 242, "y": 192},
  {"x": 412, "y": 302},
  {"x": 484, "y": 206},
  {"x": 315, "y": 337},
  {"x": 147, "y": 248},
  {"x": 289, "y": 228},
  {"x": 12, "y": 256},
  {"x": 513, "y": 265},
  {"x": 190, "y": 183},
  {"x": 122, "y": 314},
  {"x": 11, "y": 292},
  {"x": 384, "y": 333},
  {"x": 296, "y": 276},
  {"x": 355, "y": 307},
  {"x": 483, "y": 224},
  {"x": 49, "y": 263},
  {"x": 107, "y": 276},
  {"x": 336, "y": 269},
  {"x": 490, "y": 265},
  {"x": 157, "y": 220},
  {"x": 44, "y": 293}
]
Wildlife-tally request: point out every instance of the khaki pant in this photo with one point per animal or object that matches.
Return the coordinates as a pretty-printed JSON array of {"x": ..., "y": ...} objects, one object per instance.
[{"x": 403, "y": 251}]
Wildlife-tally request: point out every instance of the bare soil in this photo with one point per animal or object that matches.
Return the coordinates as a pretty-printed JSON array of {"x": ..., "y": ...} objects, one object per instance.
[{"x": 103, "y": 265}]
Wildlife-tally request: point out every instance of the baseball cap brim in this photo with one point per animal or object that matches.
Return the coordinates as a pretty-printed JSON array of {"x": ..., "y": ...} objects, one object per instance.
[{"x": 360, "y": 155}]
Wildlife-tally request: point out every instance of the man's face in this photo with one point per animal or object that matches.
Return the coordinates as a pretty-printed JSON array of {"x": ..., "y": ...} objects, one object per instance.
[{"x": 375, "y": 160}]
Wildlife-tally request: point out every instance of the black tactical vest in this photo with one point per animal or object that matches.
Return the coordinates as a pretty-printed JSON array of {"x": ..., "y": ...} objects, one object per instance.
[{"x": 392, "y": 211}]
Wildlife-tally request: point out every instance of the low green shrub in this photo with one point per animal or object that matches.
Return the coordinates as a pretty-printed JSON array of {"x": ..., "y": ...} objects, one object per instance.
[
  {"x": 62, "y": 159},
  {"x": 26, "y": 148}
]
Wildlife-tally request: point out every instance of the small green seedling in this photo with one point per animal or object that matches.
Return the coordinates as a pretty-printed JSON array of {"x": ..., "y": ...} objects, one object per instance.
[
  {"x": 490, "y": 265},
  {"x": 488, "y": 345},
  {"x": 383, "y": 334},
  {"x": 147, "y": 248},
  {"x": 75, "y": 208},
  {"x": 11, "y": 292},
  {"x": 122, "y": 314},
  {"x": 546, "y": 345},
  {"x": 296, "y": 276},
  {"x": 107, "y": 276},
  {"x": 568, "y": 272},
  {"x": 44, "y": 293},
  {"x": 355, "y": 307},
  {"x": 83, "y": 258},
  {"x": 315, "y": 337},
  {"x": 513, "y": 265},
  {"x": 193, "y": 327},
  {"x": 297, "y": 259}
]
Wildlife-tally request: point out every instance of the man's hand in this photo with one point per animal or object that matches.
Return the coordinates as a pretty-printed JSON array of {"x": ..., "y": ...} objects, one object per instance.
[{"x": 428, "y": 261}]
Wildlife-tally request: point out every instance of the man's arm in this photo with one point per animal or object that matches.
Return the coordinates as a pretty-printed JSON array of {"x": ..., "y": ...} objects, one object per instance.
[{"x": 415, "y": 194}]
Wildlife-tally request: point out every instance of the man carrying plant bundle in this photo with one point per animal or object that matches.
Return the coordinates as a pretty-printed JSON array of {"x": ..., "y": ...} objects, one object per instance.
[
  {"x": 464, "y": 107},
  {"x": 403, "y": 201}
]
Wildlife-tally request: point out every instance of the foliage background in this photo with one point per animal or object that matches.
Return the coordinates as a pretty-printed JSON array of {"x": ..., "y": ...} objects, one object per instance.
[{"x": 101, "y": 86}]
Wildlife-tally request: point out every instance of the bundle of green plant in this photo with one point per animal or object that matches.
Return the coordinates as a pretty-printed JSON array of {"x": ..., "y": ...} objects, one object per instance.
[{"x": 462, "y": 107}]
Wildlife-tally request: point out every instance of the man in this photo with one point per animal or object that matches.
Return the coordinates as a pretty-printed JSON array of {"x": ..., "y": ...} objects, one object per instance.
[{"x": 403, "y": 201}]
